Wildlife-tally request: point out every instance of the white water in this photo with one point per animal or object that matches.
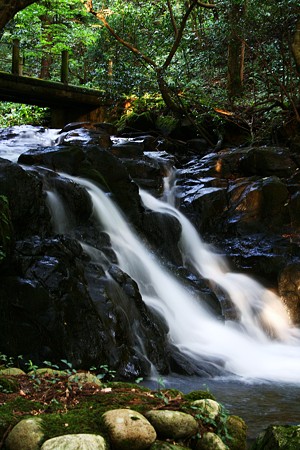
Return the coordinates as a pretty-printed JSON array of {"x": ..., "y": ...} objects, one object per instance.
[
  {"x": 246, "y": 348},
  {"x": 23, "y": 138}
]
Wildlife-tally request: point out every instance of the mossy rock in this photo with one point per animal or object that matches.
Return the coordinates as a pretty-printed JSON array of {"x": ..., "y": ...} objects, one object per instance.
[
  {"x": 279, "y": 437},
  {"x": 47, "y": 371},
  {"x": 237, "y": 430},
  {"x": 199, "y": 395},
  {"x": 8, "y": 384},
  {"x": 12, "y": 371}
]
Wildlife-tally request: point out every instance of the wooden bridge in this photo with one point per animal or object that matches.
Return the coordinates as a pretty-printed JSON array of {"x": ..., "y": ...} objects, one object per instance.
[{"x": 67, "y": 103}]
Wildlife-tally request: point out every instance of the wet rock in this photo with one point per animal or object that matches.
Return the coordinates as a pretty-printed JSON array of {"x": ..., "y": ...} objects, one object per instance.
[
  {"x": 29, "y": 213},
  {"x": 163, "y": 232},
  {"x": 268, "y": 161},
  {"x": 288, "y": 285},
  {"x": 6, "y": 231},
  {"x": 258, "y": 205},
  {"x": 95, "y": 164}
]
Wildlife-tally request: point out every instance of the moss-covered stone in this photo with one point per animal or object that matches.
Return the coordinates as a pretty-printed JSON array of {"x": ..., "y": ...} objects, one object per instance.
[
  {"x": 279, "y": 437},
  {"x": 8, "y": 384},
  {"x": 12, "y": 371},
  {"x": 211, "y": 441},
  {"x": 237, "y": 430},
  {"x": 198, "y": 395},
  {"x": 26, "y": 435}
]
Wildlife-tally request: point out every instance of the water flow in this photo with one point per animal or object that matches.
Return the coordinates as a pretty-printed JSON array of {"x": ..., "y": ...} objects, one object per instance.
[
  {"x": 246, "y": 353},
  {"x": 58, "y": 212},
  {"x": 18, "y": 139}
]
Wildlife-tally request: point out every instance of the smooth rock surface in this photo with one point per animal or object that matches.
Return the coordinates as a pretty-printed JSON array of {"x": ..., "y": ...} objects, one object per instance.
[
  {"x": 26, "y": 435},
  {"x": 76, "y": 442},
  {"x": 172, "y": 424},
  {"x": 128, "y": 429}
]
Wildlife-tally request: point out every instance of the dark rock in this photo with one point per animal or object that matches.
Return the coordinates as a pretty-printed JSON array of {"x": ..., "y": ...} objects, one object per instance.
[
  {"x": 6, "y": 232},
  {"x": 95, "y": 164},
  {"x": 163, "y": 232},
  {"x": 288, "y": 285},
  {"x": 268, "y": 161},
  {"x": 256, "y": 205},
  {"x": 24, "y": 190}
]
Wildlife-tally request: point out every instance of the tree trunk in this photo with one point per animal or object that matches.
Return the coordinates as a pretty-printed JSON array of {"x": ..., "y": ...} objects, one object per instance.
[
  {"x": 167, "y": 94},
  {"x": 296, "y": 46},
  {"x": 236, "y": 50},
  {"x": 8, "y": 9}
]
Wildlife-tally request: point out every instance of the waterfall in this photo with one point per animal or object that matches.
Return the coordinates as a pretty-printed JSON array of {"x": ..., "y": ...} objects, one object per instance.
[
  {"x": 246, "y": 348},
  {"x": 58, "y": 212}
]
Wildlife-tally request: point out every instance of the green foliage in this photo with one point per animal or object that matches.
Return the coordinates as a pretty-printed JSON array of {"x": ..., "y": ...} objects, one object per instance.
[
  {"x": 197, "y": 75},
  {"x": 19, "y": 114},
  {"x": 104, "y": 372}
]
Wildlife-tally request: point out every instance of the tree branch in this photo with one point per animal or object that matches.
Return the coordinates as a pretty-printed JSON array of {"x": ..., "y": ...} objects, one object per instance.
[
  {"x": 173, "y": 21},
  {"x": 100, "y": 16},
  {"x": 206, "y": 5}
]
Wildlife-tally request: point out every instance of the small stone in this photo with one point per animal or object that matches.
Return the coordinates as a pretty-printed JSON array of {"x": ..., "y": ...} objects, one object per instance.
[
  {"x": 209, "y": 408},
  {"x": 128, "y": 429},
  {"x": 211, "y": 441}
]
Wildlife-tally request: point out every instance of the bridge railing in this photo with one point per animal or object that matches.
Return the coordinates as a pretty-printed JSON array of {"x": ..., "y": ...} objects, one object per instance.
[{"x": 20, "y": 61}]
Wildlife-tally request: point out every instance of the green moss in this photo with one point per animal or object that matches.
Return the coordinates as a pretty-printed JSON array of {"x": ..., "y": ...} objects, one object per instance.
[
  {"x": 199, "y": 395},
  {"x": 166, "y": 124},
  {"x": 8, "y": 384},
  {"x": 237, "y": 430}
]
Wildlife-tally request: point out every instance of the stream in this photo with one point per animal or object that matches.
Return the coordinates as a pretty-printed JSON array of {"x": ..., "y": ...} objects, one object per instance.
[{"x": 261, "y": 392}]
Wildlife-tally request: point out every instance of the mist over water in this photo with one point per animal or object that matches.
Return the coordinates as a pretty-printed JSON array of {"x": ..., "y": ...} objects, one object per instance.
[{"x": 262, "y": 346}]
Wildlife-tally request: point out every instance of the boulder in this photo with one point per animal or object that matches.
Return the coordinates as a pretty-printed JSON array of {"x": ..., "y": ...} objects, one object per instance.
[
  {"x": 172, "y": 424},
  {"x": 279, "y": 437},
  {"x": 76, "y": 442},
  {"x": 26, "y": 199},
  {"x": 288, "y": 286},
  {"x": 95, "y": 164},
  {"x": 26, "y": 435},
  {"x": 128, "y": 430}
]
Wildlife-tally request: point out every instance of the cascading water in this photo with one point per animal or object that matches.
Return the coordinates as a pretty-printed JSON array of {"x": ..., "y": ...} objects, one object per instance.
[
  {"x": 24, "y": 137},
  {"x": 246, "y": 348}
]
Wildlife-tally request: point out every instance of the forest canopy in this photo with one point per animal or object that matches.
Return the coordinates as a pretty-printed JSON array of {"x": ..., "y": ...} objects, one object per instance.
[{"x": 241, "y": 57}]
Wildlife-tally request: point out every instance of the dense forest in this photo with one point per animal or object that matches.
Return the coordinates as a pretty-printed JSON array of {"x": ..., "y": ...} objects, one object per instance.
[{"x": 234, "y": 61}]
